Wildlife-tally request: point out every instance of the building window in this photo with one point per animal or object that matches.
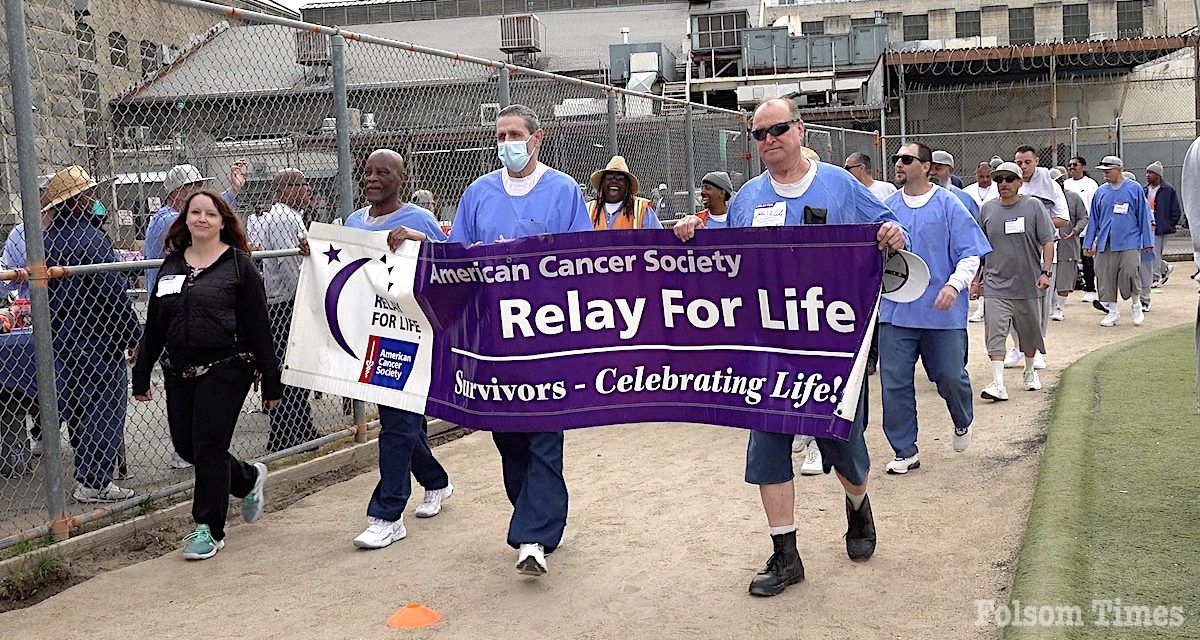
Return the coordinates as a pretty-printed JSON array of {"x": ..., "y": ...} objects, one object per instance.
[
  {"x": 916, "y": 27},
  {"x": 89, "y": 92},
  {"x": 862, "y": 22},
  {"x": 814, "y": 28},
  {"x": 721, "y": 31},
  {"x": 118, "y": 50},
  {"x": 1020, "y": 26},
  {"x": 85, "y": 38},
  {"x": 966, "y": 24},
  {"x": 1129, "y": 19},
  {"x": 149, "y": 57},
  {"x": 1076, "y": 27}
]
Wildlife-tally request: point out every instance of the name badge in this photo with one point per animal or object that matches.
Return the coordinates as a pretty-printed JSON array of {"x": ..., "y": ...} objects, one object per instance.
[
  {"x": 1121, "y": 208},
  {"x": 169, "y": 285},
  {"x": 1014, "y": 225},
  {"x": 769, "y": 215}
]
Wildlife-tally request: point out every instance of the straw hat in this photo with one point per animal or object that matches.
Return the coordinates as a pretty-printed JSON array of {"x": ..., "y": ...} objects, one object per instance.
[
  {"x": 67, "y": 184},
  {"x": 616, "y": 165},
  {"x": 812, "y": 155}
]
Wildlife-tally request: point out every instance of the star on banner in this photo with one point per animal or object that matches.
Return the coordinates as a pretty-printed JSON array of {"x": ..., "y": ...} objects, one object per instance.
[{"x": 332, "y": 254}]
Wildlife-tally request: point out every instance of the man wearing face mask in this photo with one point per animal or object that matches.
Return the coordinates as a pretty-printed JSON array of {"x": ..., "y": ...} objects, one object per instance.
[{"x": 525, "y": 198}]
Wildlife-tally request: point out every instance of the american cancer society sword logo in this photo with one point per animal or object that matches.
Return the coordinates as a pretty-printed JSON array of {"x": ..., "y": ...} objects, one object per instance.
[{"x": 388, "y": 361}]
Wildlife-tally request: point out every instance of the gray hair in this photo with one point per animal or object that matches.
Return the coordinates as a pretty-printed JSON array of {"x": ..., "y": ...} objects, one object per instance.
[
  {"x": 793, "y": 108},
  {"x": 532, "y": 123}
]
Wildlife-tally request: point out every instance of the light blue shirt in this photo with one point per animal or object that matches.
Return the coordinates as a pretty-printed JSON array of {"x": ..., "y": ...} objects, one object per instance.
[
  {"x": 713, "y": 223},
  {"x": 968, "y": 202},
  {"x": 1119, "y": 219},
  {"x": 943, "y": 233},
  {"x": 486, "y": 213},
  {"x": 408, "y": 215},
  {"x": 14, "y": 258},
  {"x": 845, "y": 200}
]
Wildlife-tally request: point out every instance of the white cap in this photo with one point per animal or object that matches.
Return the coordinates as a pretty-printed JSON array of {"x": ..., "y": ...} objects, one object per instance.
[
  {"x": 905, "y": 277},
  {"x": 180, "y": 175},
  {"x": 943, "y": 157},
  {"x": 1111, "y": 162},
  {"x": 1007, "y": 167}
]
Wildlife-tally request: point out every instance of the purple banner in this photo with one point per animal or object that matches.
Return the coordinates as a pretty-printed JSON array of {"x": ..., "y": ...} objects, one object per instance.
[{"x": 753, "y": 328}]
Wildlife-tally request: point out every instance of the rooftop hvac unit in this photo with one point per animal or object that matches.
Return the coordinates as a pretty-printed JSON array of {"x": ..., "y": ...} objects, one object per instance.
[
  {"x": 312, "y": 48},
  {"x": 520, "y": 33}
]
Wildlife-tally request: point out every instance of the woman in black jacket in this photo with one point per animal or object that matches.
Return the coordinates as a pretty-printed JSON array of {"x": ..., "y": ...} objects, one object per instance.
[{"x": 208, "y": 311}]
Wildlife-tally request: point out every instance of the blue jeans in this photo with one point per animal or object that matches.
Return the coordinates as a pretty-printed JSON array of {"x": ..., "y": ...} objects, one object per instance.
[
  {"x": 403, "y": 450},
  {"x": 92, "y": 388},
  {"x": 943, "y": 352},
  {"x": 533, "y": 480}
]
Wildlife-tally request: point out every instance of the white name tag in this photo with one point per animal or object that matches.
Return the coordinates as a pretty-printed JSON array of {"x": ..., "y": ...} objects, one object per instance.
[
  {"x": 769, "y": 215},
  {"x": 1121, "y": 208},
  {"x": 1015, "y": 225},
  {"x": 169, "y": 285}
]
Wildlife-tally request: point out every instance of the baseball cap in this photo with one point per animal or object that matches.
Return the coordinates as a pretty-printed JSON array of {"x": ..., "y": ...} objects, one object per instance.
[
  {"x": 180, "y": 175},
  {"x": 1007, "y": 167},
  {"x": 943, "y": 157},
  {"x": 996, "y": 161},
  {"x": 905, "y": 277},
  {"x": 1111, "y": 162}
]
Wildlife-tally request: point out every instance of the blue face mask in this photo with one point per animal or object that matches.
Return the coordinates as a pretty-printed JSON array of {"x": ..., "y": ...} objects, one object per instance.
[
  {"x": 98, "y": 209},
  {"x": 514, "y": 155}
]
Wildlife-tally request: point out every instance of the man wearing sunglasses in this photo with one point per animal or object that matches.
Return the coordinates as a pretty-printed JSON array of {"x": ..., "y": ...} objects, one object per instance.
[
  {"x": 933, "y": 327},
  {"x": 859, "y": 166},
  {"x": 1081, "y": 183},
  {"x": 1118, "y": 231},
  {"x": 796, "y": 191}
]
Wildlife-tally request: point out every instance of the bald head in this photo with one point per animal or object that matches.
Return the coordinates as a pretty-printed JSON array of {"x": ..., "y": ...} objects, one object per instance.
[
  {"x": 388, "y": 157},
  {"x": 291, "y": 188},
  {"x": 790, "y": 105},
  {"x": 383, "y": 178}
]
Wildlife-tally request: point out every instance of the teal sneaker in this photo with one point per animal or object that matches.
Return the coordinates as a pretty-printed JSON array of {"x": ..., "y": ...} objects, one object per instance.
[
  {"x": 252, "y": 504},
  {"x": 201, "y": 545}
]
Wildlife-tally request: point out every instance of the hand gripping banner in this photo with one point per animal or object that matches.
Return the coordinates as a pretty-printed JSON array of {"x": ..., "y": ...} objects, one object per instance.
[{"x": 763, "y": 329}]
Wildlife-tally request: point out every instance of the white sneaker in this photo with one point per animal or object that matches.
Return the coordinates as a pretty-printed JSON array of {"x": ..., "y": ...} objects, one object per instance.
[
  {"x": 1014, "y": 359},
  {"x": 1089, "y": 297},
  {"x": 1033, "y": 382},
  {"x": 380, "y": 533},
  {"x": 1112, "y": 319},
  {"x": 1039, "y": 361},
  {"x": 1057, "y": 314},
  {"x": 994, "y": 391},
  {"x": 431, "y": 505},
  {"x": 813, "y": 464},
  {"x": 977, "y": 316},
  {"x": 110, "y": 493},
  {"x": 800, "y": 443},
  {"x": 178, "y": 462},
  {"x": 901, "y": 466},
  {"x": 531, "y": 560},
  {"x": 1139, "y": 316},
  {"x": 962, "y": 439}
]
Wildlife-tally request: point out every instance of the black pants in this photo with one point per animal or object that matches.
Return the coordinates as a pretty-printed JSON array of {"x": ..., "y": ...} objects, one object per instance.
[
  {"x": 1089, "y": 274},
  {"x": 291, "y": 419},
  {"x": 202, "y": 413}
]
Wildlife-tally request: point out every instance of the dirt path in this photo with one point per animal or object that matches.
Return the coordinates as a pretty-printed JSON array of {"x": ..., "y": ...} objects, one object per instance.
[{"x": 662, "y": 541}]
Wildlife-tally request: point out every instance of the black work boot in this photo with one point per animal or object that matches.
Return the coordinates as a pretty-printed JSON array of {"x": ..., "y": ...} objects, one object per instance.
[
  {"x": 860, "y": 530},
  {"x": 783, "y": 568}
]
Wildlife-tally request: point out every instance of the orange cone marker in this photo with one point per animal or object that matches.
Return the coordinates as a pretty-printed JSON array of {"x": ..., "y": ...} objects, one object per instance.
[{"x": 413, "y": 615}]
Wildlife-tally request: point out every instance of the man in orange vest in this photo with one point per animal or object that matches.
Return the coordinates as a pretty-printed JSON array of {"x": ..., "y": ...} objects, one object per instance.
[{"x": 618, "y": 205}]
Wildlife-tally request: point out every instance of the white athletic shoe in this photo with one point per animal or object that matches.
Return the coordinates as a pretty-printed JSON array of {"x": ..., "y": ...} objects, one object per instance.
[
  {"x": 531, "y": 560},
  {"x": 813, "y": 464},
  {"x": 110, "y": 493},
  {"x": 1112, "y": 319},
  {"x": 380, "y": 533},
  {"x": 1089, "y": 297},
  {"x": 901, "y": 466},
  {"x": 994, "y": 391},
  {"x": 977, "y": 316},
  {"x": 800, "y": 444},
  {"x": 1033, "y": 382},
  {"x": 1057, "y": 314},
  {"x": 1039, "y": 361},
  {"x": 962, "y": 439},
  {"x": 1137, "y": 314},
  {"x": 178, "y": 462},
  {"x": 431, "y": 505},
  {"x": 1014, "y": 359}
]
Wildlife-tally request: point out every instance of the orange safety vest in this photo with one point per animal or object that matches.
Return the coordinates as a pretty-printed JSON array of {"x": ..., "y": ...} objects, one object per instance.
[{"x": 622, "y": 221}]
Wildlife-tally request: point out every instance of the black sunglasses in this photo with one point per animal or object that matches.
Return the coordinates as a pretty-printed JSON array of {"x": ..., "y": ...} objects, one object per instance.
[
  {"x": 905, "y": 159},
  {"x": 1006, "y": 179},
  {"x": 775, "y": 130},
  {"x": 852, "y": 166}
]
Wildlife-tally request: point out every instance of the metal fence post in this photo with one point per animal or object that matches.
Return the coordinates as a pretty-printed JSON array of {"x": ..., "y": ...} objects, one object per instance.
[
  {"x": 1074, "y": 137},
  {"x": 690, "y": 157},
  {"x": 1120, "y": 139},
  {"x": 503, "y": 96},
  {"x": 612, "y": 122},
  {"x": 43, "y": 349}
]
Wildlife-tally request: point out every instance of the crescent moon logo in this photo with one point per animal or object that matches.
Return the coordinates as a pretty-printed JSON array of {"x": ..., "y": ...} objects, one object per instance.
[{"x": 332, "y": 294}]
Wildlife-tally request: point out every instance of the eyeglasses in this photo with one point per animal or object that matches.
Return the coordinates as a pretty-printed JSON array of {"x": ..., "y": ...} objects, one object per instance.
[
  {"x": 905, "y": 159},
  {"x": 852, "y": 166},
  {"x": 1006, "y": 179},
  {"x": 775, "y": 130}
]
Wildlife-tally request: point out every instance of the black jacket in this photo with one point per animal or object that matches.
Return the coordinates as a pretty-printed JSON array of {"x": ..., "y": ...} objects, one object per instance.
[
  {"x": 222, "y": 313},
  {"x": 1167, "y": 209}
]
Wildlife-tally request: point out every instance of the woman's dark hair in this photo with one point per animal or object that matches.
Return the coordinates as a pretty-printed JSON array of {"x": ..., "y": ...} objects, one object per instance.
[{"x": 179, "y": 237}]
